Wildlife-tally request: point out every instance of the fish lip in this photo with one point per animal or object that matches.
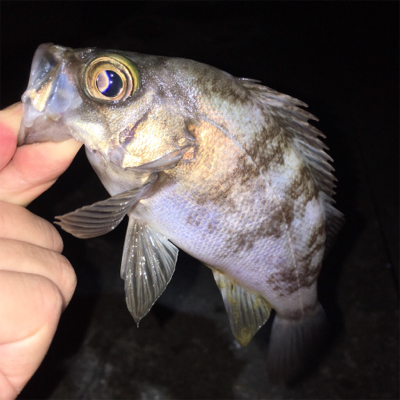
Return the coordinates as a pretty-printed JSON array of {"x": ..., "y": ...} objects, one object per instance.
[
  {"x": 49, "y": 95},
  {"x": 27, "y": 129},
  {"x": 43, "y": 129}
]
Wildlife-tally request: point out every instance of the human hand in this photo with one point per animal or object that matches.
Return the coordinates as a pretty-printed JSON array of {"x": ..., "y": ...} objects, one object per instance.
[{"x": 36, "y": 281}]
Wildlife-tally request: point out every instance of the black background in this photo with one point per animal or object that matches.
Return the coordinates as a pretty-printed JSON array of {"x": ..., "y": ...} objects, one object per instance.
[{"x": 341, "y": 58}]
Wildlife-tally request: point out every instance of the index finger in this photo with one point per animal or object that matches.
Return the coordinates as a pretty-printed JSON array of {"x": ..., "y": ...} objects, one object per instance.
[{"x": 20, "y": 224}]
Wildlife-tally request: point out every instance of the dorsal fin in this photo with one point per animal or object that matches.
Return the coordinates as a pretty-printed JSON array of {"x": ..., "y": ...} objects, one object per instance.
[{"x": 305, "y": 139}]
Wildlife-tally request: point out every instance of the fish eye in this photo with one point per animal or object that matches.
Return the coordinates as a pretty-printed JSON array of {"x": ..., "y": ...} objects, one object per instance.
[
  {"x": 110, "y": 78},
  {"x": 109, "y": 83}
]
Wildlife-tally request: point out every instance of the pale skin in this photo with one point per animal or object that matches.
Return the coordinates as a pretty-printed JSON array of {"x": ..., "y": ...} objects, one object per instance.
[{"x": 36, "y": 280}]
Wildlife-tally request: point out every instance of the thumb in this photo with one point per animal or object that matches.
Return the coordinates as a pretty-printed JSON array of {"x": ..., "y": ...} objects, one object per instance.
[{"x": 33, "y": 168}]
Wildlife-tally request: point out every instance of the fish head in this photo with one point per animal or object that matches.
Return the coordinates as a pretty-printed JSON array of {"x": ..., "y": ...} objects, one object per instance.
[{"x": 112, "y": 101}]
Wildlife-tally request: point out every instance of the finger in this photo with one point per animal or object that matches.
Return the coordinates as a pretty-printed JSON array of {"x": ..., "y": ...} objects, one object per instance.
[
  {"x": 31, "y": 259},
  {"x": 18, "y": 223},
  {"x": 10, "y": 120},
  {"x": 31, "y": 305},
  {"x": 34, "y": 168},
  {"x": 8, "y": 391}
]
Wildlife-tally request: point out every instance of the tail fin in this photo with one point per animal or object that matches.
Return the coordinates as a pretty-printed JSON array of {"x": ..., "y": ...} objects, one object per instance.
[{"x": 294, "y": 344}]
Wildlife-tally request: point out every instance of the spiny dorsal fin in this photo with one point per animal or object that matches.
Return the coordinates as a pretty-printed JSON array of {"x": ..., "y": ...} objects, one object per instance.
[
  {"x": 304, "y": 137},
  {"x": 148, "y": 263},
  {"x": 247, "y": 311}
]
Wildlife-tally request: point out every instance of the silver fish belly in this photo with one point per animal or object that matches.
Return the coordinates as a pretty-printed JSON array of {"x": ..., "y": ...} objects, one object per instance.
[{"x": 226, "y": 169}]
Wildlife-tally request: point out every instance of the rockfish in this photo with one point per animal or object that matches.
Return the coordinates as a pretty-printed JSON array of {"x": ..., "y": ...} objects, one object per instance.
[{"x": 224, "y": 168}]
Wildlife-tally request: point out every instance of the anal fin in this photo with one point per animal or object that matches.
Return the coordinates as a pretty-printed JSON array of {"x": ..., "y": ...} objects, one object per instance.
[
  {"x": 148, "y": 263},
  {"x": 247, "y": 311}
]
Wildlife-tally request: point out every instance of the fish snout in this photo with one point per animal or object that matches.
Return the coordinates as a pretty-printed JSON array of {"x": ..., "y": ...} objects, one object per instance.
[{"x": 50, "y": 91}]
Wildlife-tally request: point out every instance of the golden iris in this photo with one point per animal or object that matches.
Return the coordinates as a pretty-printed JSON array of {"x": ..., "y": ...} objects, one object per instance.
[{"x": 110, "y": 78}]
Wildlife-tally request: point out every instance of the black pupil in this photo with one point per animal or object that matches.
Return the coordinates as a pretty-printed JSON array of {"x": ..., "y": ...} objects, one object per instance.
[{"x": 109, "y": 83}]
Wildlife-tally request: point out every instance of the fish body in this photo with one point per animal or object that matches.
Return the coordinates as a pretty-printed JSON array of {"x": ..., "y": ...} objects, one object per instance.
[{"x": 226, "y": 169}]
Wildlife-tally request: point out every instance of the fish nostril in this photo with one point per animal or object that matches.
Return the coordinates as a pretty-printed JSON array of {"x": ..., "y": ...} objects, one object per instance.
[{"x": 26, "y": 98}]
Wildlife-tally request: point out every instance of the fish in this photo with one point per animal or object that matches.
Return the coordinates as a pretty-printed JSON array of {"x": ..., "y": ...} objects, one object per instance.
[{"x": 224, "y": 168}]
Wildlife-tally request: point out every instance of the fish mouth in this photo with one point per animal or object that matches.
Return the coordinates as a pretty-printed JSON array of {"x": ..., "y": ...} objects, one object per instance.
[
  {"x": 42, "y": 129},
  {"x": 50, "y": 94}
]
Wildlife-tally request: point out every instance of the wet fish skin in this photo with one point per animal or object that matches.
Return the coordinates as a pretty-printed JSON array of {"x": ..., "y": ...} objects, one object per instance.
[{"x": 234, "y": 175}]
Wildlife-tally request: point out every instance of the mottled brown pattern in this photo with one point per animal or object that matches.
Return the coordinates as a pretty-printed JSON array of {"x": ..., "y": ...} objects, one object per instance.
[
  {"x": 299, "y": 313},
  {"x": 269, "y": 148},
  {"x": 287, "y": 206},
  {"x": 226, "y": 89},
  {"x": 275, "y": 226},
  {"x": 235, "y": 96},
  {"x": 302, "y": 185},
  {"x": 286, "y": 280},
  {"x": 244, "y": 241},
  {"x": 192, "y": 220},
  {"x": 315, "y": 243},
  {"x": 218, "y": 190},
  {"x": 283, "y": 280},
  {"x": 244, "y": 171}
]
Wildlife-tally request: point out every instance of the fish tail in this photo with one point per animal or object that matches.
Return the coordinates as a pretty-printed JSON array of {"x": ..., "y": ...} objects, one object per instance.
[{"x": 294, "y": 344}]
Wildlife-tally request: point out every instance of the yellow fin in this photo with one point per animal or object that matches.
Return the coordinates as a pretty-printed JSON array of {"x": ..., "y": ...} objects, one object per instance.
[{"x": 247, "y": 311}]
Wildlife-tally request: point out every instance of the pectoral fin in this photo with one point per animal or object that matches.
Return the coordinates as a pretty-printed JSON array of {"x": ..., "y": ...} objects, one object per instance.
[
  {"x": 247, "y": 311},
  {"x": 147, "y": 266},
  {"x": 103, "y": 216}
]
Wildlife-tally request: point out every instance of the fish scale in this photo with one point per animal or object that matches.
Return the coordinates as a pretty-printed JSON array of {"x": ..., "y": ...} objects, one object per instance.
[{"x": 224, "y": 168}]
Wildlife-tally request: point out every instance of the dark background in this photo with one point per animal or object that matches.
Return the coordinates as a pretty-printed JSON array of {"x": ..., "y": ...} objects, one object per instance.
[{"x": 341, "y": 58}]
